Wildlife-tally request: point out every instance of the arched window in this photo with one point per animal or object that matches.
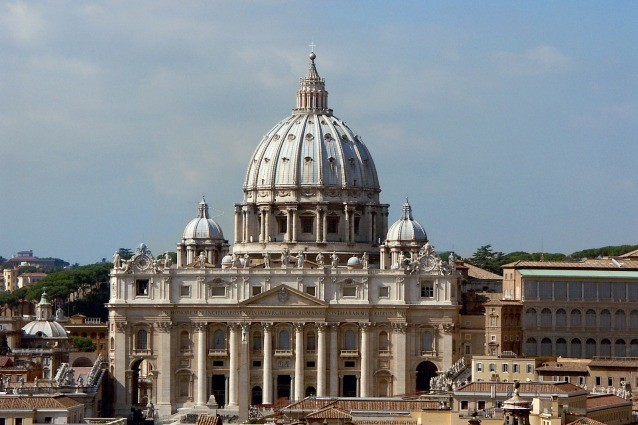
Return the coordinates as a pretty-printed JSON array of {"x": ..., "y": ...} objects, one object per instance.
[
  {"x": 561, "y": 318},
  {"x": 350, "y": 340},
  {"x": 384, "y": 342},
  {"x": 620, "y": 319},
  {"x": 561, "y": 347},
  {"x": 426, "y": 341},
  {"x": 546, "y": 347},
  {"x": 633, "y": 319},
  {"x": 184, "y": 340},
  {"x": 311, "y": 341},
  {"x": 620, "y": 348},
  {"x": 590, "y": 318},
  {"x": 633, "y": 348},
  {"x": 142, "y": 340},
  {"x": 590, "y": 348},
  {"x": 605, "y": 348},
  {"x": 531, "y": 347},
  {"x": 530, "y": 318},
  {"x": 257, "y": 342},
  {"x": 284, "y": 339},
  {"x": 605, "y": 319},
  {"x": 576, "y": 317},
  {"x": 546, "y": 318},
  {"x": 219, "y": 340},
  {"x": 576, "y": 349}
]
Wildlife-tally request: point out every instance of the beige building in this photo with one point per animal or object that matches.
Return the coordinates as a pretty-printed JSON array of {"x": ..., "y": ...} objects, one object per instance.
[
  {"x": 319, "y": 297},
  {"x": 20, "y": 410},
  {"x": 504, "y": 368}
]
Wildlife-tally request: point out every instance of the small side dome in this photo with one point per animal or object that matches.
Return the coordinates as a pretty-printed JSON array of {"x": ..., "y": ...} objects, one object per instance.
[
  {"x": 203, "y": 227},
  {"x": 406, "y": 229},
  {"x": 354, "y": 261},
  {"x": 227, "y": 261}
]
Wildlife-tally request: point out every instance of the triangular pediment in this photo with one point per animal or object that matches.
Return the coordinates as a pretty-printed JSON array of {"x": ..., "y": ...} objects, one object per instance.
[{"x": 283, "y": 296}]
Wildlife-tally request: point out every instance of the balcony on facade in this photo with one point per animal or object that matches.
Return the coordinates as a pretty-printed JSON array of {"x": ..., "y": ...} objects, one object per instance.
[
  {"x": 349, "y": 353},
  {"x": 217, "y": 352}
]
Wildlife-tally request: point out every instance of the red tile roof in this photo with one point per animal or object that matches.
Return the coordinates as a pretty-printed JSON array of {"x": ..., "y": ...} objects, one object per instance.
[
  {"x": 599, "y": 401},
  {"x": 30, "y": 403}
]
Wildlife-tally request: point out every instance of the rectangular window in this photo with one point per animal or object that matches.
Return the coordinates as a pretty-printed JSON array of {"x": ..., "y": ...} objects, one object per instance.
[
  {"x": 17, "y": 421},
  {"x": 282, "y": 224},
  {"x": 256, "y": 363},
  {"x": 464, "y": 405},
  {"x": 333, "y": 224},
  {"x": 311, "y": 290},
  {"x": 256, "y": 290},
  {"x": 348, "y": 364},
  {"x": 384, "y": 292},
  {"x": 427, "y": 289},
  {"x": 598, "y": 380},
  {"x": 357, "y": 222},
  {"x": 492, "y": 367},
  {"x": 479, "y": 367},
  {"x": 468, "y": 349},
  {"x": 530, "y": 368},
  {"x": 480, "y": 405},
  {"x": 218, "y": 291},
  {"x": 311, "y": 343},
  {"x": 185, "y": 291},
  {"x": 516, "y": 368},
  {"x": 48, "y": 420},
  {"x": 141, "y": 287},
  {"x": 306, "y": 224},
  {"x": 492, "y": 337},
  {"x": 219, "y": 363},
  {"x": 610, "y": 381},
  {"x": 310, "y": 364},
  {"x": 505, "y": 367},
  {"x": 581, "y": 380},
  {"x": 349, "y": 291}
]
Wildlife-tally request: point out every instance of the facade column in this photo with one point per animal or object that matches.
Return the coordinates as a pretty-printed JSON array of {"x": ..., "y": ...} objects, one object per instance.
[
  {"x": 266, "y": 390},
  {"x": 200, "y": 394},
  {"x": 234, "y": 363},
  {"x": 334, "y": 360},
  {"x": 262, "y": 225},
  {"x": 347, "y": 226},
  {"x": 245, "y": 233},
  {"x": 295, "y": 219},
  {"x": 318, "y": 226},
  {"x": 299, "y": 366},
  {"x": 238, "y": 225},
  {"x": 324, "y": 227},
  {"x": 267, "y": 230},
  {"x": 164, "y": 369},
  {"x": 321, "y": 360},
  {"x": 289, "y": 225},
  {"x": 365, "y": 360},
  {"x": 400, "y": 359}
]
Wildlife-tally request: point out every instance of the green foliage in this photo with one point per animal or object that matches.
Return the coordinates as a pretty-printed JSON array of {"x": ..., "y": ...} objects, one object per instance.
[
  {"x": 26, "y": 269},
  {"x": 4, "y": 345},
  {"x": 488, "y": 259},
  {"x": 606, "y": 251},
  {"x": 535, "y": 256},
  {"x": 173, "y": 256},
  {"x": 125, "y": 253},
  {"x": 83, "y": 343},
  {"x": 57, "y": 262}
]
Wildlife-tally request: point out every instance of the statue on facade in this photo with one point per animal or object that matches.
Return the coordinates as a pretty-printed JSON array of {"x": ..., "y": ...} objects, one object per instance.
[
  {"x": 319, "y": 260},
  {"x": 335, "y": 259},
  {"x": 285, "y": 254},
  {"x": 246, "y": 260},
  {"x": 451, "y": 261},
  {"x": 266, "y": 256},
  {"x": 117, "y": 261},
  {"x": 365, "y": 260},
  {"x": 201, "y": 260},
  {"x": 401, "y": 260},
  {"x": 301, "y": 258},
  {"x": 168, "y": 261}
]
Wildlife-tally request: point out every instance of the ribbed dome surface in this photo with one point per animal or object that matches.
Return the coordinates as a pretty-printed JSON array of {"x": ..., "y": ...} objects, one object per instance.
[
  {"x": 203, "y": 227},
  {"x": 311, "y": 148},
  {"x": 44, "y": 329},
  {"x": 406, "y": 229}
]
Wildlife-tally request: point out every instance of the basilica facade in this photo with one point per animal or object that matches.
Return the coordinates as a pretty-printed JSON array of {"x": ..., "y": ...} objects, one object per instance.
[{"x": 320, "y": 296}]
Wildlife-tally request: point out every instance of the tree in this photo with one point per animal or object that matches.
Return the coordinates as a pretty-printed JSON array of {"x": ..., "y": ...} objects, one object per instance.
[
  {"x": 125, "y": 253},
  {"x": 488, "y": 259},
  {"x": 83, "y": 343}
]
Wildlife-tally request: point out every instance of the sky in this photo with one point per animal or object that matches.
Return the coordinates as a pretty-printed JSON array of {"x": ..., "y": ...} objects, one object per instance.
[{"x": 513, "y": 124}]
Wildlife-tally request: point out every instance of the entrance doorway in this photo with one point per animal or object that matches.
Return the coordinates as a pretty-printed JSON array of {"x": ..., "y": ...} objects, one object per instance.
[
  {"x": 255, "y": 396},
  {"x": 349, "y": 386},
  {"x": 283, "y": 386},
  {"x": 219, "y": 389},
  {"x": 135, "y": 383},
  {"x": 424, "y": 372}
]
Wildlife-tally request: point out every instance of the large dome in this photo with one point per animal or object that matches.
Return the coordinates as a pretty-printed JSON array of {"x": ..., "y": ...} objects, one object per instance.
[{"x": 311, "y": 148}]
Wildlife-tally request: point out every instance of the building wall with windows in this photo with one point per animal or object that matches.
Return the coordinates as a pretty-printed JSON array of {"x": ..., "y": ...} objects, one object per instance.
[{"x": 503, "y": 369}]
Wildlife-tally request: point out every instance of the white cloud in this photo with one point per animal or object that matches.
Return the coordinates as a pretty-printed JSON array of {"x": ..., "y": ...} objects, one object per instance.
[
  {"x": 21, "y": 22},
  {"x": 536, "y": 61}
]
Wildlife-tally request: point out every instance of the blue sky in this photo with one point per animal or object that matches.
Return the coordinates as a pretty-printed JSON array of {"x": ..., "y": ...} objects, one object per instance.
[{"x": 506, "y": 123}]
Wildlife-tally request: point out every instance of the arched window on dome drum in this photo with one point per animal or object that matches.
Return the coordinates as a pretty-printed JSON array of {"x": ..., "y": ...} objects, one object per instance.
[
  {"x": 590, "y": 318},
  {"x": 605, "y": 348},
  {"x": 576, "y": 318},
  {"x": 620, "y": 319},
  {"x": 350, "y": 340},
  {"x": 605, "y": 319},
  {"x": 561, "y": 347},
  {"x": 142, "y": 340},
  {"x": 590, "y": 348},
  {"x": 284, "y": 340},
  {"x": 620, "y": 348},
  {"x": 219, "y": 340},
  {"x": 576, "y": 348},
  {"x": 546, "y": 347},
  {"x": 426, "y": 342},
  {"x": 561, "y": 318},
  {"x": 633, "y": 319},
  {"x": 531, "y": 347}
]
